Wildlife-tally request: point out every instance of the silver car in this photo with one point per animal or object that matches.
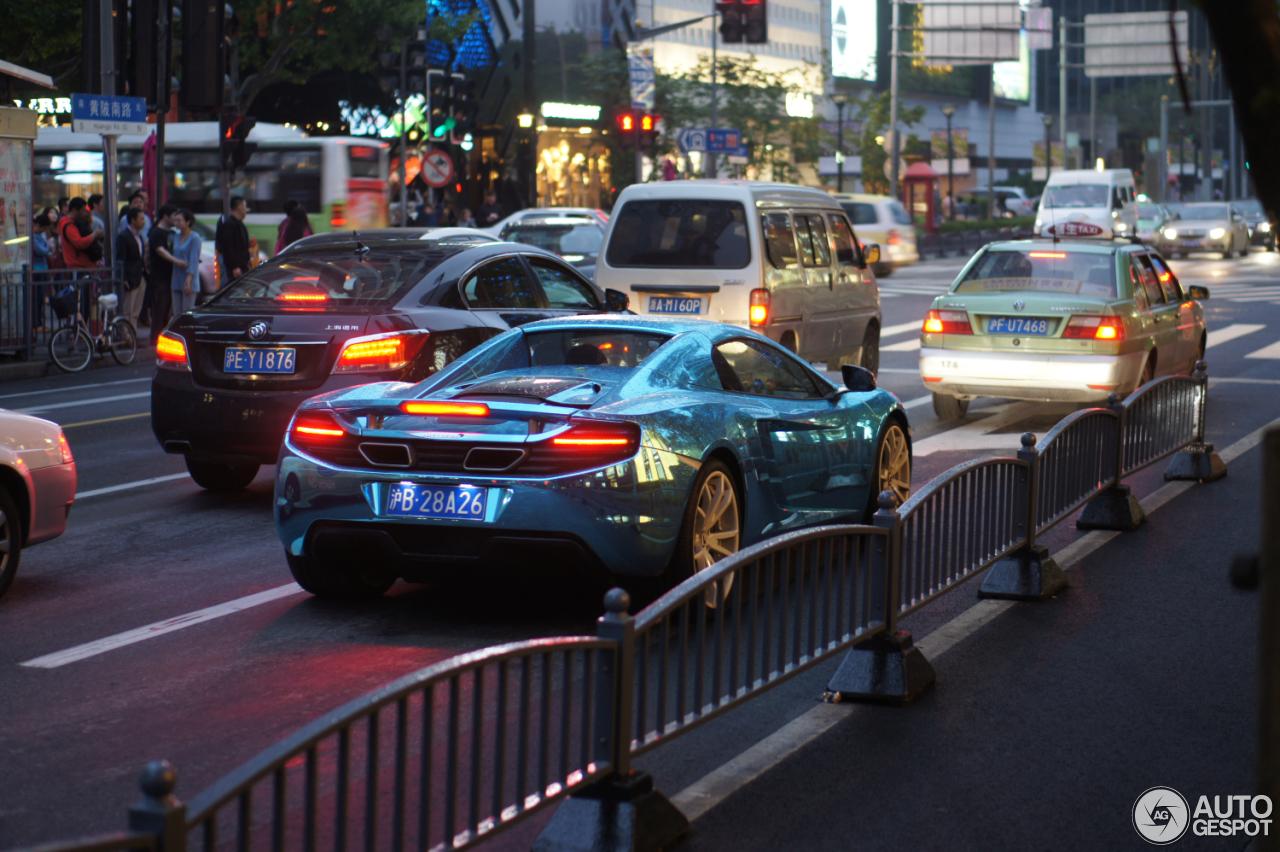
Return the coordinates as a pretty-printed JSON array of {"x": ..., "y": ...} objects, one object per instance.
[{"x": 1205, "y": 227}]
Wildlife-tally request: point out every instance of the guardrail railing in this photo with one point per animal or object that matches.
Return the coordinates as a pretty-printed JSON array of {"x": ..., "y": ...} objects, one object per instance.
[
  {"x": 454, "y": 754},
  {"x": 34, "y": 303}
]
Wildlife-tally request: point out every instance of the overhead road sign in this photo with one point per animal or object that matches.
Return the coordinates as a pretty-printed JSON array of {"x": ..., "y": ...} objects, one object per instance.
[
  {"x": 1133, "y": 44},
  {"x": 957, "y": 32},
  {"x": 643, "y": 77},
  {"x": 437, "y": 168},
  {"x": 108, "y": 115},
  {"x": 692, "y": 140},
  {"x": 721, "y": 140}
]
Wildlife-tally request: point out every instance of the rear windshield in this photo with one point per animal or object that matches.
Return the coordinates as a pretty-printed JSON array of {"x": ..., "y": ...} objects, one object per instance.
[
  {"x": 1250, "y": 207},
  {"x": 1083, "y": 195},
  {"x": 860, "y": 213},
  {"x": 572, "y": 241},
  {"x": 900, "y": 214},
  {"x": 332, "y": 280},
  {"x": 680, "y": 234},
  {"x": 1066, "y": 272},
  {"x": 1203, "y": 212}
]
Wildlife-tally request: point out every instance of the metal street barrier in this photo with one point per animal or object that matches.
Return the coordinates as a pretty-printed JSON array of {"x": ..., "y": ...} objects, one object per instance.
[
  {"x": 33, "y": 304},
  {"x": 452, "y": 755}
]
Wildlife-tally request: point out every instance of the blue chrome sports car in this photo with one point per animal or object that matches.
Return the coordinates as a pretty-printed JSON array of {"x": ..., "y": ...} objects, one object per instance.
[{"x": 604, "y": 446}]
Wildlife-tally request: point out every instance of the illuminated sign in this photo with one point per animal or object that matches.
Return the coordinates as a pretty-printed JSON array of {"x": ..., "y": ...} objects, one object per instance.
[
  {"x": 854, "y": 26},
  {"x": 1013, "y": 79},
  {"x": 574, "y": 112},
  {"x": 45, "y": 106}
]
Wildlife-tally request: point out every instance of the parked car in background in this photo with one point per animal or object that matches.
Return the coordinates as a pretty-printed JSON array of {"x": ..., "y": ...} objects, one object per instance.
[
  {"x": 577, "y": 239},
  {"x": 1208, "y": 226},
  {"x": 1011, "y": 202},
  {"x": 882, "y": 220},
  {"x": 1069, "y": 320},
  {"x": 778, "y": 259},
  {"x": 1261, "y": 229},
  {"x": 614, "y": 450},
  {"x": 37, "y": 487},
  {"x": 1151, "y": 218},
  {"x": 337, "y": 313},
  {"x": 542, "y": 212}
]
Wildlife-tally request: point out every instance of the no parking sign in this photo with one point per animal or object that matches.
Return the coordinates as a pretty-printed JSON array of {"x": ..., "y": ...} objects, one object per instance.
[{"x": 437, "y": 168}]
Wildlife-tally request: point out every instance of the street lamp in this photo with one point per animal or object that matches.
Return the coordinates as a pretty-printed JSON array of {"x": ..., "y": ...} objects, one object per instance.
[
  {"x": 1048, "y": 147},
  {"x": 527, "y": 158},
  {"x": 949, "y": 110},
  {"x": 840, "y": 99}
]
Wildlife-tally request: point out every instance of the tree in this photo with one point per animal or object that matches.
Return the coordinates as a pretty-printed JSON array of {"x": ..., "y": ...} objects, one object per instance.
[
  {"x": 873, "y": 112},
  {"x": 44, "y": 37}
]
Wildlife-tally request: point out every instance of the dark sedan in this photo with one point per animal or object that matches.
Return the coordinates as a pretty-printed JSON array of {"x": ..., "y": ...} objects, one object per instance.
[
  {"x": 1261, "y": 232},
  {"x": 336, "y": 314}
]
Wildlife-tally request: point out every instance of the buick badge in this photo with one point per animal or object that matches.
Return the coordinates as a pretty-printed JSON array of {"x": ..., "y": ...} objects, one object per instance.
[{"x": 257, "y": 330}]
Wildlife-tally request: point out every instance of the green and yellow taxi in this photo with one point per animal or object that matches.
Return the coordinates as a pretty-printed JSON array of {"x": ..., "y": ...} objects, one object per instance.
[{"x": 1058, "y": 320}]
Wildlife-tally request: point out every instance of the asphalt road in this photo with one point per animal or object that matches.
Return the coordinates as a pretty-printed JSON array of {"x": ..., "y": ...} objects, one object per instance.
[{"x": 145, "y": 545}]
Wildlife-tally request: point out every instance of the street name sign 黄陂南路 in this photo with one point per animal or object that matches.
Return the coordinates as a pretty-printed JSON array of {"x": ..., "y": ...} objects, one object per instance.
[{"x": 108, "y": 115}]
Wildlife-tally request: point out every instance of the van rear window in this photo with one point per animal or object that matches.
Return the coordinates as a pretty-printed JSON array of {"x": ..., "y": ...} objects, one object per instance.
[{"x": 680, "y": 234}]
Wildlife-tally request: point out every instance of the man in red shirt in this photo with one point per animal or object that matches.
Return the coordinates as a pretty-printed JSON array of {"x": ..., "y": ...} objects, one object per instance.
[{"x": 75, "y": 248}]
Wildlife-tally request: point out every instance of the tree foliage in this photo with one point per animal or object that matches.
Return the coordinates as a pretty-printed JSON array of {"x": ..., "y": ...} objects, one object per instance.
[
  {"x": 44, "y": 37},
  {"x": 873, "y": 112}
]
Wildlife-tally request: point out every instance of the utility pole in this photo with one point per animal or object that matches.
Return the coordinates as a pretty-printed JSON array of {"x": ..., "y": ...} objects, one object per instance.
[
  {"x": 893, "y": 102},
  {"x": 1062, "y": 84},
  {"x": 109, "y": 170},
  {"x": 404, "y": 135},
  {"x": 991, "y": 147},
  {"x": 530, "y": 182},
  {"x": 715, "y": 98},
  {"x": 162, "y": 97}
]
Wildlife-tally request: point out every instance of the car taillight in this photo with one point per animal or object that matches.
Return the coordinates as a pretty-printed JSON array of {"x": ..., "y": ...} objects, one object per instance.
[
  {"x": 444, "y": 408},
  {"x": 338, "y": 215},
  {"x": 314, "y": 425},
  {"x": 1094, "y": 328},
  {"x": 895, "y": 238},
  {"x": 759, "y": 307},
  {"x": 379, "y": 352},
  {"x": 303, "y": 298},
  {"x": 171, "y": 352},
  {"x": 947, "y": 322},
  {"x": 67, "y": 458},
  {"x": 619, "y": 440}
]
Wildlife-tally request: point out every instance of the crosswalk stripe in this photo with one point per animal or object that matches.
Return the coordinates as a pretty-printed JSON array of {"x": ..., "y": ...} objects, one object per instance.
[
  {"x": 904, "y": 346},
  {"x": 1272, "y": 351},
  {"x": 914, "y": 325},
  {"x": 1231, "y": 332}
]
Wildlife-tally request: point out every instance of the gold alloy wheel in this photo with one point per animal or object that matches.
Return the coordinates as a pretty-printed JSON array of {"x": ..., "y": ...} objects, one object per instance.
[
  {"x": 715, "y": 531},
  {"x": 894, "y": 464}
]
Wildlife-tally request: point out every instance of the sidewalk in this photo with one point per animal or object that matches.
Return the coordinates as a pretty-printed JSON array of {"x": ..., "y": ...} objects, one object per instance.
[
  {"x": 1050, "y": 719},
  {"x": 12, "y": 369}
]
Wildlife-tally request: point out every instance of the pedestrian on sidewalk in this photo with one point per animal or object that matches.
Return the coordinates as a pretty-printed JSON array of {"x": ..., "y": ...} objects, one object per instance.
[
  {"x": 137, "y": 201},
  {"x": 289, "y": 207},
  {"x": 466, "y": 220},
  {"x": 78, "y": 236},
  {"x": 185, "y": 282},
  {"x": 131, "y": 254},
  {"x": 41, "y": 249},
  {"x": 490, "y": 211},
  {"x": 161, "y": 265},
  {"x": 231, "y": 241},
  {"x": 296, "y": 228},
  {"x": 95, "y": 211}
]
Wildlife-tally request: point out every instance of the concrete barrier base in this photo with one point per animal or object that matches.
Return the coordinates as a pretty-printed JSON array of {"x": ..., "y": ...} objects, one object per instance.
[
  {"x": 1197, "y": 462},
  {"x": 884, "y": 669},
  {"x": 1027, "y": 575},
  {"x": 614, "y": 816},
  {"x": 1113, "y": 509}
]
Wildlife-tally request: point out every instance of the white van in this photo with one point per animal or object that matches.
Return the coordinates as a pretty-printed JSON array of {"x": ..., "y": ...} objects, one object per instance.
[
  {"x": 782, "y": 260},
  {"x": 1088, "y": 203}
]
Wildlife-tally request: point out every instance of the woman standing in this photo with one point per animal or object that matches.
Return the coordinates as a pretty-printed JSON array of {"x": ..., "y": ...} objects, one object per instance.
[
  {"x": 41, "y": 249},
  {"x": 296, "y": 228},
  {"x": 186, "y": 265}
]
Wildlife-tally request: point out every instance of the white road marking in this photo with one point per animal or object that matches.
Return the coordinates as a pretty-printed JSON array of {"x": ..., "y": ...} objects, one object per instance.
[
  {"x": 920, "y": 400},
  {"x": 73, "y": 388},
  {"x": 899, "y": 329},
  {"x": 975, "y": 435},
  {"x": 914, "y": 370},
  {"x": 111, "y": 489},
  {"x": 1231, "y": 332},
  {"x": 716, "y": 786},
  {"x": 905, "y": 346},
  {"x": 1272, "y": 351},
  {"x": 54, "y": 405},
  {"x": 159, "y": 628}
]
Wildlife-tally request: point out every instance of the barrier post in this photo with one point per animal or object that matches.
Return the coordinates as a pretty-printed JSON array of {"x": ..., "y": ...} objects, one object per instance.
[
  {"x": 1198, "y": 461},
  {"x": 1029, "y": 573},
  {"x": 623, "y": 813},
  {"x": 1115, "y": 508},
  {"x": 159, "y": 813},
  {"x": 886, "y": 668}
]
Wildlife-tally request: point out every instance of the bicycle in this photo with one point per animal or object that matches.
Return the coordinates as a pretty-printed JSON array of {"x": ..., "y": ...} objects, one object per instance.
[{"x": 72, "y": 346}]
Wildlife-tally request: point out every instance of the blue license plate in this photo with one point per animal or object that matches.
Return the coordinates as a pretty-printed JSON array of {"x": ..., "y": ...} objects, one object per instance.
[
  {"x": 258, "y": 359},
  {"x": 437, "y": 501},
  {"x": 1017, "y": 325},
  {"x": 675, "y": 305}
]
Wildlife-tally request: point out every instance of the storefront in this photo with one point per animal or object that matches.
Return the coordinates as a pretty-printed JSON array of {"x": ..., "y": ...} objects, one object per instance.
[{"x": 573, "y": 159}]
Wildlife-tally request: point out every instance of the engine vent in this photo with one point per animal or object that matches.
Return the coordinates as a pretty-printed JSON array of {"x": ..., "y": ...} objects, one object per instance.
[
  {"x": 387, "y": 455},
  {"x": 493, "y": 459}
]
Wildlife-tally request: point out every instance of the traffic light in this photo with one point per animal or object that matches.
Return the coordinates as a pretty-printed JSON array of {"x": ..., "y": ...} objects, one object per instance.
[
  {"x": 466, "y": 108},
  {"x": 755, "y": 21},
  {"x": 439, "y": 105},
  {"x": 628, "y": 124},
  {"x": 203, "y": 55},
  {"x": 730, "y": 20},
  {"x": 648, "y": 130},
  {"x": 234, "y": 138}
]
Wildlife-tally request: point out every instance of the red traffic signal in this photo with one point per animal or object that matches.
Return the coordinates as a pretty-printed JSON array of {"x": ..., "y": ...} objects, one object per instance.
[
  {"x": 755, "y": 21},
  {"x": 730, "y": 20},
  {"x": 627, "y": 123}
]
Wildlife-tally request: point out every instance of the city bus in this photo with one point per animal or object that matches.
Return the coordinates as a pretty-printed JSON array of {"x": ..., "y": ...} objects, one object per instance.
[{"x": 341, "y": 181}]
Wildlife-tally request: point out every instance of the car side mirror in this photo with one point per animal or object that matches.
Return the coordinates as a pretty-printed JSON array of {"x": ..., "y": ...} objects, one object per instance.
[
  {"x": 858, "y": 379},
  {"x": 871, "y": 254},
  {"x": 1198, "y": 292},
  {"x": 616, "y": 301}
]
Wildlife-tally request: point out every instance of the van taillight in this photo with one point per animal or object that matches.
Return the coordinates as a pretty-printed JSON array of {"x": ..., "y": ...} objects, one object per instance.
[
  {"x": 759, "y": 308},
  {"x": 895, "y": 238}
]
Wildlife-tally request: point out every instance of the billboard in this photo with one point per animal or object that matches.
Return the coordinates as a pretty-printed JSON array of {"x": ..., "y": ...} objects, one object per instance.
[
  {"x": 1013, "y": 79},
  {"x": 854, "y": 25}
]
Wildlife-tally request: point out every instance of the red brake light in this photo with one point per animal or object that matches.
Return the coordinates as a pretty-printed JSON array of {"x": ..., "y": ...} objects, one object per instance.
[
  {"x": 1055, "y": 254},
  {"x": 759, "y": 308},
  {"x": 171, "y": 348},
  {"x": 624, "y": 437},
  {"x": 379, "y": 352},
  {"x": 310, "y": 425},
  {"x": 438, "y": 408},
  {"x": 947, "y": 322},
  {"x": 895, "y": 238},
  {"x": 67, "y": 458},
  {"x": 1094, "y": 328},
  {"x": 303, "y": 297}
]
